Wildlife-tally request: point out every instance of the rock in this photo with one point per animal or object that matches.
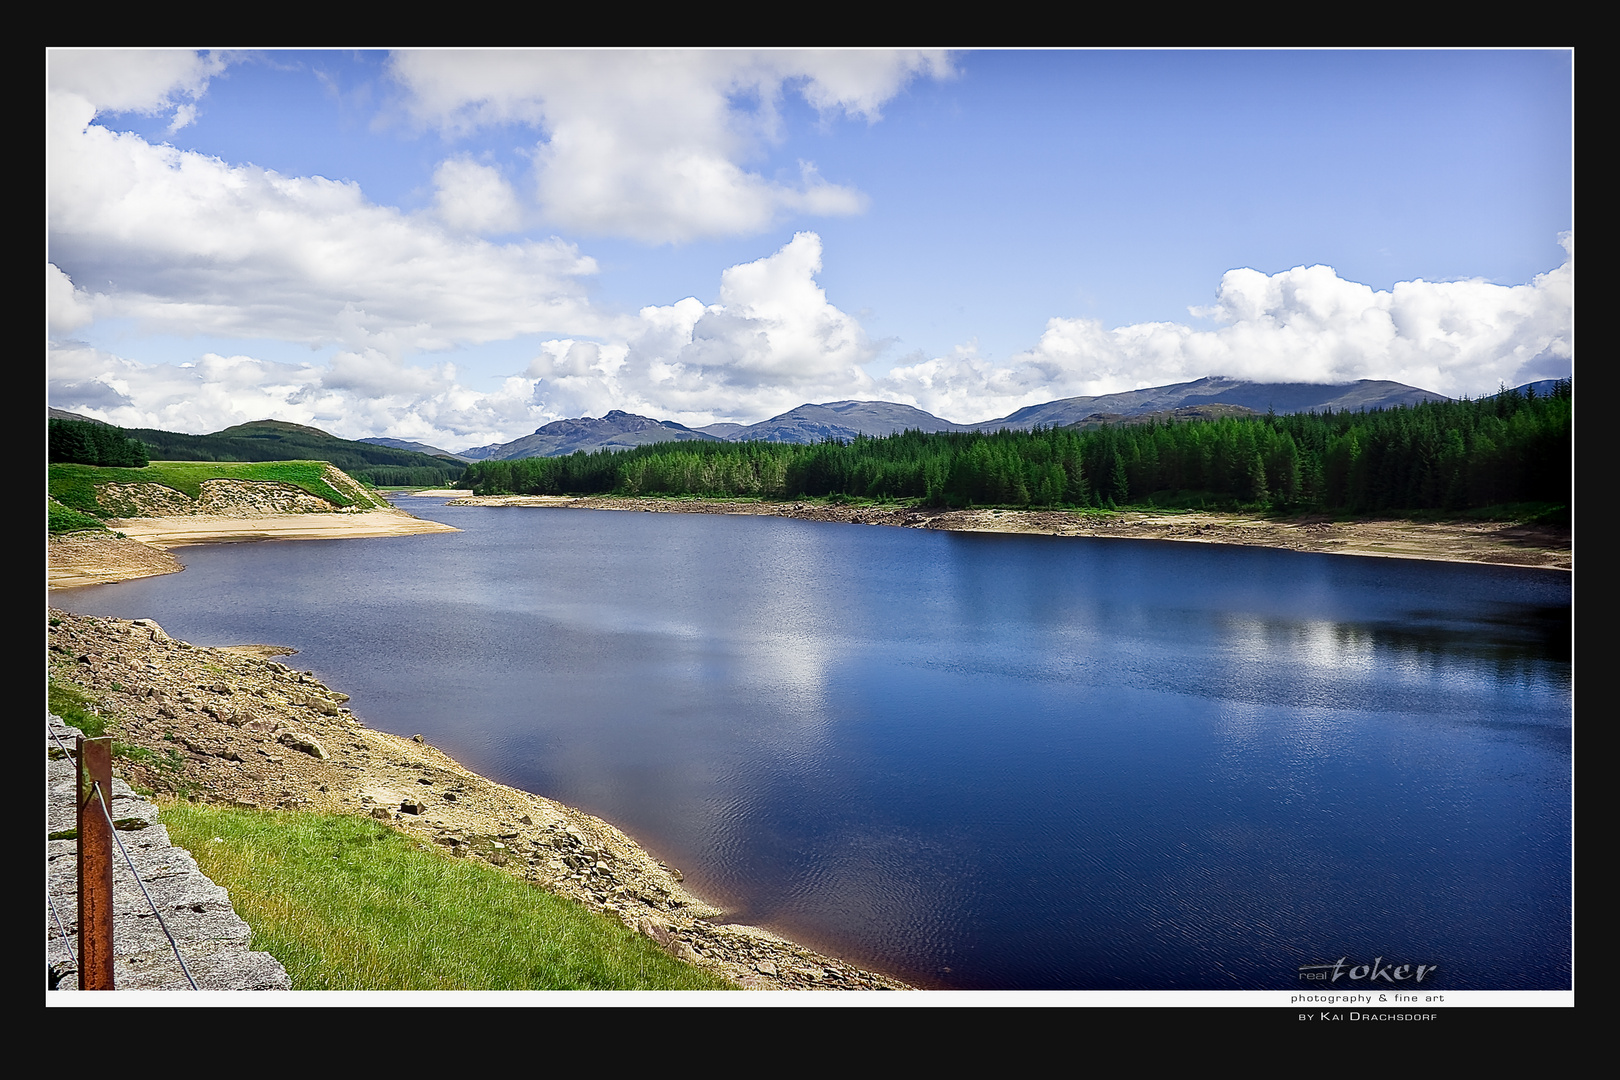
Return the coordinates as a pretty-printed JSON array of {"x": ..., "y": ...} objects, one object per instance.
[
  {"x": 307, "y": 744},
  {"x": 656, "y": 930},
  {"x": 153, "y": 628}
]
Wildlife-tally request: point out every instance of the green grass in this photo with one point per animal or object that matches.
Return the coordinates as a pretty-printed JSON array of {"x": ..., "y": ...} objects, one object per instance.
[
  {"x": 84, "y": 711},
  {"x": 1530, "y": 513},
  {"x": 76, "y": 707},
  {"x": 62, "y": 519},
  {"x": 347, "y": 903},
  {"x": 75, "y": 485}
]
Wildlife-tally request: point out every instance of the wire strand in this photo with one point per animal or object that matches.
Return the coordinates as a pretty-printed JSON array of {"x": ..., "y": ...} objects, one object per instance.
[
  {"x": 66, "y": 940},
  {"x": 101, "y": 797}
]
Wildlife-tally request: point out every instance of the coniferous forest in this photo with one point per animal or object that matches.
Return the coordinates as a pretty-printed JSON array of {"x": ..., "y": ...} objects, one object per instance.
[
  {"x": 83, "y": 442},
  {"x": 1513, "y": 447}
]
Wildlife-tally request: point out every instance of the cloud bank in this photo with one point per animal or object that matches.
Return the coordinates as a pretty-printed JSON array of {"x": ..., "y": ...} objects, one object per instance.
[
  {"x": 186, "y": 244},
  {"x": 148, "y": 81},
  {"x": 1306, "y": 324},
  {"x": 774, "y": 341}
]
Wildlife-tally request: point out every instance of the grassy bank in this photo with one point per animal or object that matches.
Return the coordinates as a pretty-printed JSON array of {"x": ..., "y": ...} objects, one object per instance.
[
  {"x": 74, "y": 486},
  {"x": 76, "y": 707},
  {"x": 61, "y": 519},
  {"x": 347, "y": 903}
]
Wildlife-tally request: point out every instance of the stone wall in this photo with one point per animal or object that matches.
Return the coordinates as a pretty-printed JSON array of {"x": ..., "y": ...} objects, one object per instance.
[{"x": 211, "y": 938}]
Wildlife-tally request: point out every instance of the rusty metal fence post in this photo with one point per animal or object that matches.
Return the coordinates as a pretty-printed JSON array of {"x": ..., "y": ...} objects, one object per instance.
[{"x": 95, "y": 865}]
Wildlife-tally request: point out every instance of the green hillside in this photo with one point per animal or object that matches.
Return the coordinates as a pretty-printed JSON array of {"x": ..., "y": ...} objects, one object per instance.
[{"x": 276, "y": 440}]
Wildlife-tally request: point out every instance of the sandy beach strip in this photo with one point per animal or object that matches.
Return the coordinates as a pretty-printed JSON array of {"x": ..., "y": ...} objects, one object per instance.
[
  {"x": 198, "y": 529},
  {"x": 93, "y": 557}
]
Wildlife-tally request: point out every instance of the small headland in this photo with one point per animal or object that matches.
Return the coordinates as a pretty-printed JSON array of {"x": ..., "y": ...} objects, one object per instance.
[{"x": 136, "y": 515}]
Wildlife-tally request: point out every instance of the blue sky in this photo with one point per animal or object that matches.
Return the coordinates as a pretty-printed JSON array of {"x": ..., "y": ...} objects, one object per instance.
[{"x": 460, "y": 247}]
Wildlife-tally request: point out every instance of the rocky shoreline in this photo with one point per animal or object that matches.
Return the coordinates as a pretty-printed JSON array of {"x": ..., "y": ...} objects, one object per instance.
[
  {"x": 1494, "y": 542},
  {"x": 236, "y": 727}
]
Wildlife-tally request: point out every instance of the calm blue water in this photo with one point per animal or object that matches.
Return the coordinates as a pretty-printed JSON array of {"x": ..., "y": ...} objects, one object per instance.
[{"x": 978, "y": 761}]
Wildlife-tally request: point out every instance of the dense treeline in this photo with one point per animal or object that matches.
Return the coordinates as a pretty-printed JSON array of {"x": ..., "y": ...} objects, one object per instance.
[
  {"x": 81, "y": 442},
  {"x": 391, "y": 476},
  {"x": 1510, "y": 448}
]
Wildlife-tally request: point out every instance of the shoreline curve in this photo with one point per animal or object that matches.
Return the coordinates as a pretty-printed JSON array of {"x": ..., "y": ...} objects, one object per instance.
[
  {"x": 1489, "y": 542},
  {"x": 254, "y": 733}
]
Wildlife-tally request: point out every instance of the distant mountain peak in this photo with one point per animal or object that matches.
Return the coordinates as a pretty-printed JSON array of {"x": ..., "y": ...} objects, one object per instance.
[
  {"x": 617, "y": 430},
  {"x": 280, "y": 426}
]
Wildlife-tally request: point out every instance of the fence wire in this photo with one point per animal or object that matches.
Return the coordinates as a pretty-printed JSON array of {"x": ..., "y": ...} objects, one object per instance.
[{"x": 101, "y": 800}]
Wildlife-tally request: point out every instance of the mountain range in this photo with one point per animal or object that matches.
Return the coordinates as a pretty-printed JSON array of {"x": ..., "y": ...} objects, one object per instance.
[
  {"x": 1206, "y": 398},
  {"x": 843, "y": 420}
]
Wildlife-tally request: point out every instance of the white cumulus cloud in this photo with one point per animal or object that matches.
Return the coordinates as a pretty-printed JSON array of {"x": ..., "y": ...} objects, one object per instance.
[
  {"x": 208, "y": 394},
  {"x": 66, "y": 308},
  {"x": 772, "y": 342},
  {"x": 355, "y": 396},
  {"x": 475, "y": 198},
  {"x": 654, "y": 145},
  {"x": 146, "y": 81},
  {"x": 188, "y": 244}
]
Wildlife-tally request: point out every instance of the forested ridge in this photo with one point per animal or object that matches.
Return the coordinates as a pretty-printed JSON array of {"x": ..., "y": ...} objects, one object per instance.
[
  {"x": 91, "y": 443},
  {"x": 1512, "y": 447}
]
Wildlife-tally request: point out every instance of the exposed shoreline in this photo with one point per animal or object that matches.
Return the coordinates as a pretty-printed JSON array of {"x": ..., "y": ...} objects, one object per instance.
[
  {"x": 241, "y": 729},
  {"x": 182, "y": 529},
  {"x": 1489, "y": 542}
]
